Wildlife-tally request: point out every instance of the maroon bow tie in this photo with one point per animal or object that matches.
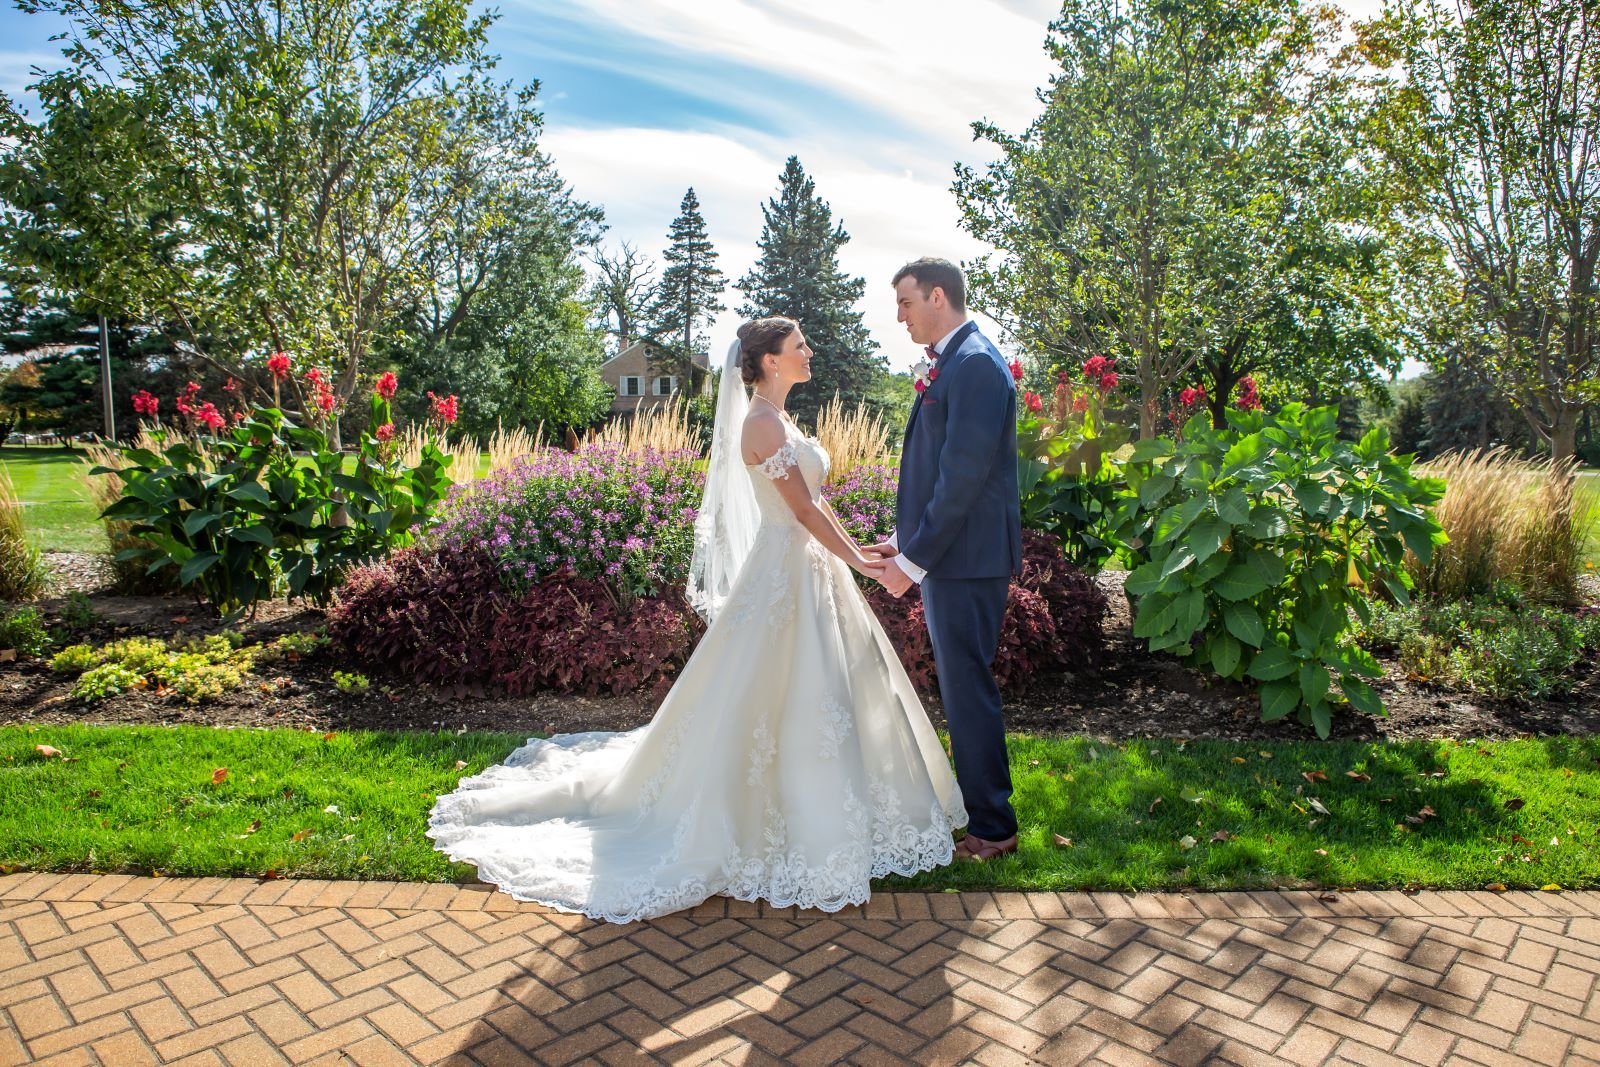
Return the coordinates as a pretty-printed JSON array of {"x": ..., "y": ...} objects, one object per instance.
[{"x": 933, "y": 353}]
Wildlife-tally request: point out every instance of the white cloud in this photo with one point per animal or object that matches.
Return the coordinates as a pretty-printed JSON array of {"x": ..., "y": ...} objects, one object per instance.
[{"x": 930, "y": 68}]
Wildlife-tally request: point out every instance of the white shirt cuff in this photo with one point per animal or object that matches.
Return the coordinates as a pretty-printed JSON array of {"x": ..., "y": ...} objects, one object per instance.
[
  {"x": 914, "y": 572},
  {"x": 894, "y": 539}
]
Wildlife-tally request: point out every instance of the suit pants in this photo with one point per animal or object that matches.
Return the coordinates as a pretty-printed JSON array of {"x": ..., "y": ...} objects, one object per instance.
[{"x": 964, "y": 616}]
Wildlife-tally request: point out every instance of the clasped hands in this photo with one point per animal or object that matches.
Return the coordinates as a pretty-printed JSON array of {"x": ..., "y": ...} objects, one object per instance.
[{"x": 881, "y": 569}]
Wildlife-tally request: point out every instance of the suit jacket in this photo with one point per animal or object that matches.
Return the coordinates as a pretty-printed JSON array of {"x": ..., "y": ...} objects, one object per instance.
[{"x": 958, "y": 512}]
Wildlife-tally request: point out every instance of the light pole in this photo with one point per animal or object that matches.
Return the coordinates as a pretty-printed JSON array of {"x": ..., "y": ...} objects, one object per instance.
[{"x": 105, "y": 381}]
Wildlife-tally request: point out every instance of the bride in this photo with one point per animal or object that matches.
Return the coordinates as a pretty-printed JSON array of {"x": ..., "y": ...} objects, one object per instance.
[{"x": 791, "y": 762}]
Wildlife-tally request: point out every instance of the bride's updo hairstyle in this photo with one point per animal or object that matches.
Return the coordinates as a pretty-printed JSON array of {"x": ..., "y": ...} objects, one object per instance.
[{"x": 759, "y": 337}]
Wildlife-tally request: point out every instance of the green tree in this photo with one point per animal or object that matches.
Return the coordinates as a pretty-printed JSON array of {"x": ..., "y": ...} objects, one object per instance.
[
  {"x": 1186, "y": 203},
  {"x": 1488, "y": 118},
  {"x": 59, "y": 385},
  {"x": 688, "y": 297},
  {"x": 798, "y": 275},
  {"x": 263, "y": 177}
]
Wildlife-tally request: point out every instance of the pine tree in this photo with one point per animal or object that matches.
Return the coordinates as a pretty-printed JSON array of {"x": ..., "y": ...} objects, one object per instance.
[
  {"x": 798, "y": 275},
  {"x": 687, "y": 297}
]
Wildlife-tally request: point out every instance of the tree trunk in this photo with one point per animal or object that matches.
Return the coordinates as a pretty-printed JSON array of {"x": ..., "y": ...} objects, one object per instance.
[{"x": 1564, "y": 435}]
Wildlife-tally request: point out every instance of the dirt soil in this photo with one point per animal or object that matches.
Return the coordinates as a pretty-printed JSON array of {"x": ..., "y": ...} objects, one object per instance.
[{"x": 1132, "y": 695}]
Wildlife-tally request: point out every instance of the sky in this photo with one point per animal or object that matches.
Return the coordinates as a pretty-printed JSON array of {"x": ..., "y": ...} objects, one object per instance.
[{"x": 646, "y": 98}]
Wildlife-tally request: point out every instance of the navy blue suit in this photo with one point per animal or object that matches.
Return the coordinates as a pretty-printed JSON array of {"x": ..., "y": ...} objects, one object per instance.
[{"x": 958, "y": 515}]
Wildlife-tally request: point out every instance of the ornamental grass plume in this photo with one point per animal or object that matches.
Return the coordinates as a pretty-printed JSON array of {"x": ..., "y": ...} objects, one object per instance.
[
  {"x": 23, "y": 574},
  {"x": 850, "y": 439},
  {"x": 661, "y": 428},
  {"x": 506, "y": 447},
  {"x": 462, "y": 454},
  {"x": 1508, "y": 519}
]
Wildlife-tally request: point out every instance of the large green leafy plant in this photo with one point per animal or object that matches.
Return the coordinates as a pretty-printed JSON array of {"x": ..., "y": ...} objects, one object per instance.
[
  {"x": 1259, "y": 543},
  {"x": 1067, "y": 467},
  {"x": 238, "y": 508}
]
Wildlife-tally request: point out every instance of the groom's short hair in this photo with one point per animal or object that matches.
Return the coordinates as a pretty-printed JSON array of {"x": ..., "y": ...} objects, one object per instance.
[{"x": 929, "y": 272}]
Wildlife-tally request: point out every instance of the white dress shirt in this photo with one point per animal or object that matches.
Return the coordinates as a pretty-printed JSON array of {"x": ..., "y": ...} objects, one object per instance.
[{"x": 914, "y": 572}]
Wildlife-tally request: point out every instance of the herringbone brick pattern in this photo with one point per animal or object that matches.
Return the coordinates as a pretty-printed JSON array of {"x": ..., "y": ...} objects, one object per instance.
[{"x": 122, "y": 971}]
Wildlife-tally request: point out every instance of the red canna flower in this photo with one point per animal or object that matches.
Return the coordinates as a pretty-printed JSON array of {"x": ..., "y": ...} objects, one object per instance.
[
  {"x": 1250, "y": 399},
  {"x": 146, "y": 402},
  {"x": 1016, "y": 370},
  {"x": 384, "y": 433},
  {"x": 444, "y": 409},
  {"x": 388, "y": 385},
  {"x": 209, "y": 415},
  {"x": 1033, "y": 401},
  {"x": 1108, "y": 381},
  {"x": 278, "y": 364}
]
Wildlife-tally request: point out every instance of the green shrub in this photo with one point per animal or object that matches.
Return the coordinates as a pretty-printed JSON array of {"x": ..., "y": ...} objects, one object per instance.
[
  {"x": 23, "y": 629},
  {"x": 77, "y": 613},
  {"x": 108, "y": 679},
  {"x": 266, "y": 499},
  {"x": 300, "y": 644},
  {"x": 200, "y": 681},
  {"x": 139, "y": 654},
  {"x": 1498, "y": 648},
  {"x": 74, "y": 659},
  {"x": 1257, "y": 542},
  {"x": 350, "y": 682}
]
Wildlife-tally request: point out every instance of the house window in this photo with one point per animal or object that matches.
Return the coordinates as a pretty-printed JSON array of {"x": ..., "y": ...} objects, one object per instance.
[
  {"x": 629, "y": 386},
  {"x": 666, "y": 384}
]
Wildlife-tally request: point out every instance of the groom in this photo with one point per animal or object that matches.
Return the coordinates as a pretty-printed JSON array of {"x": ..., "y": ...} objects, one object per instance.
[{"x": 959, "y": 532}]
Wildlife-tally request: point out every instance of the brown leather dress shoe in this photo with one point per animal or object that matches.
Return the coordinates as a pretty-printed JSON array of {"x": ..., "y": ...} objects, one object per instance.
[{"x": 980, "y": 850}]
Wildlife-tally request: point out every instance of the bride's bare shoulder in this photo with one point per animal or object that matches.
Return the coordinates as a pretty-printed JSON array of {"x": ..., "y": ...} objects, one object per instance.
[{"x": 763, "y": 434}]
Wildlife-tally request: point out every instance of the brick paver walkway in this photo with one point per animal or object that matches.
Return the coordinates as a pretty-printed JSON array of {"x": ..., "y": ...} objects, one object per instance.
[{"x": 123, "y": 971}]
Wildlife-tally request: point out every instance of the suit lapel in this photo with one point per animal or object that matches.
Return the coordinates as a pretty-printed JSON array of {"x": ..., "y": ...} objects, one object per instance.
[{"x": 951, "y": 350}]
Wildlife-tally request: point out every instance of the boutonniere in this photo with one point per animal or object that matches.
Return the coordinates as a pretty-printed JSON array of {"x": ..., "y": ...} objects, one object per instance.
[{"x": 926, "y": 374}]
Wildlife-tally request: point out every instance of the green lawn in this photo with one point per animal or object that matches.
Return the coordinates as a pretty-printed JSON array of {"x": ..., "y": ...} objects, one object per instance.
[
  {"x": 59, "y": 514},
  {"x": 1589, "y": 496},
  {"x": 1141, "y": 815}
]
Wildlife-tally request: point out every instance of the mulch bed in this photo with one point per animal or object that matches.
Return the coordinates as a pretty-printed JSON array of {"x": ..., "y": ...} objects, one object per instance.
[{"x": 1132, "y": 695}]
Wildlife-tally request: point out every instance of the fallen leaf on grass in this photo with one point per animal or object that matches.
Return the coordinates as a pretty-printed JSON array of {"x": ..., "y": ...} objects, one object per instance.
[
  {"x": 1154, "y": 803},
  {"x": 46, "y": 751},
  {"x": 1186, "y": 842},
  {"x": 1519, "y": 839},
  {"x": 1358, "y": 776},
  {"x": 219, "y": 775},
  {"x": 1314, "y": 776},
  {"x": 1222, "y": 835},
  {"x": 1317, "y": 804},
  {"x": 271, "y": 875},
  {"x": 329, "y": 736},
  {"x": 1064, "y": 842},
  {"x": 1264, "y": 755},
  {"x": 1551, "y": 888},
  {"x": 1426, "y": 812},
  {"x": 252, "y": 828},
  {"x": 460, "y": 763},
  {"x": 1515, "y": 804},
  {"x": 1496, "y": 887},
  {"x": 331, "y": 809},
  {"x": 301, "y": 835},
  {"x": 1320, "y": 851},
  {"x": 1240, "y": 759}
]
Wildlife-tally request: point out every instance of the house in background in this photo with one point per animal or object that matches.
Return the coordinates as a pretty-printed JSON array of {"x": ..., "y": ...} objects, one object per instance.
[{"x": 636, "y": 386}]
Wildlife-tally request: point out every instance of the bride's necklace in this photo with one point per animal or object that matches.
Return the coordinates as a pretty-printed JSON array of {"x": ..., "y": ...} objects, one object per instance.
[{"x": 774, "y": 407}]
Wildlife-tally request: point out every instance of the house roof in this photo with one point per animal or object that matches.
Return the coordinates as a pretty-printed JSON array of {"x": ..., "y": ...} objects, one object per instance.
[{"x": 699, "y": 359}]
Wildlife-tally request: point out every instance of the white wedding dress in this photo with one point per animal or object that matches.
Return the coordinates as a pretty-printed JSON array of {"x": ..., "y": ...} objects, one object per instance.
[{"x": 791, "y": 762}]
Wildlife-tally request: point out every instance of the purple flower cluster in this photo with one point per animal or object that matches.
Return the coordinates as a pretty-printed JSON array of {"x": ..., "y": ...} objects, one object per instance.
[
  {"x": 625, "y": 519},
  {"x": 864, "y": 502}
]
